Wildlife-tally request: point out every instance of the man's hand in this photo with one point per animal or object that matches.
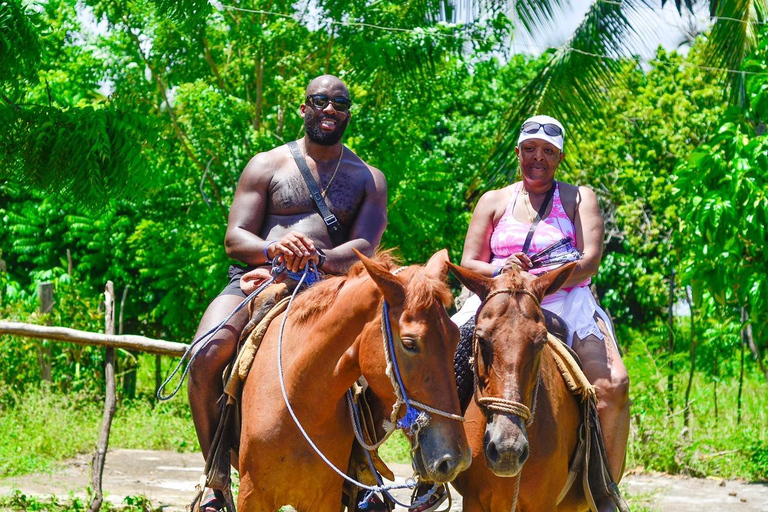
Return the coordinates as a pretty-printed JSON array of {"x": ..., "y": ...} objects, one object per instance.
[{"x": 295, "y": 249}]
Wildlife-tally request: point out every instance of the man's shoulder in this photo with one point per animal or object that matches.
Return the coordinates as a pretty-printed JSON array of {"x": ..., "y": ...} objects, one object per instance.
[
  {"x": 267, "y": 162},
  {"x": 375, "y": 173}
]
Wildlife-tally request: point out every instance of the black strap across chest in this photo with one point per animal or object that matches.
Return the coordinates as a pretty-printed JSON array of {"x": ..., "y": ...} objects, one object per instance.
[
  {"x": 335, "y": 229},
  {"x": 539, "y": 215}
]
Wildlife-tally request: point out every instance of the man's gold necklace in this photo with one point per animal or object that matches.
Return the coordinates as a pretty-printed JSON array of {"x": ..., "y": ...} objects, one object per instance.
[{"x": 338, "y": 164}]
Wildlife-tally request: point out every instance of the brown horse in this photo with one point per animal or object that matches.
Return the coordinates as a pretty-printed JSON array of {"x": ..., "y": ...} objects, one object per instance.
[
  {"x": 522, "y": 413},
  {"x": 332, "y": 336}
]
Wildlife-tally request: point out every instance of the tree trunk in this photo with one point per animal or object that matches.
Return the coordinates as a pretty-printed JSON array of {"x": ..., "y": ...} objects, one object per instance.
[
  {"x": 687, "y": 415},
  {"x": 671, "y": 344},
  {"x": 755, "y": 349},
  {"x": 110, "y": 402},
  {"x": 744, "y": 319}
]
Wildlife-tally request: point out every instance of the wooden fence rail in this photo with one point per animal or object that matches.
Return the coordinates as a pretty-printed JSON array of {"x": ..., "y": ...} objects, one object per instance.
[
  {"x": 126, "y": 341},
  {"x": 110, "y": 341}
]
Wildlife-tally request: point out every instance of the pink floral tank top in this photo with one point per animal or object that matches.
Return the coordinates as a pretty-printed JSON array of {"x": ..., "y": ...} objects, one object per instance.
[{"x": 509, "y": 234}]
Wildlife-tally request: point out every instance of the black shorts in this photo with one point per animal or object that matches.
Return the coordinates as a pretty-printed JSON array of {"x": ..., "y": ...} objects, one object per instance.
[{"x": 233, "y": 288}]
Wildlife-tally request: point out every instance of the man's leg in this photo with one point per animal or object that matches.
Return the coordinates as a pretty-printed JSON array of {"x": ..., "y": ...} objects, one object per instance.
[
  {"x": 205, "y": 376},
  {"x": 605, "y": 370}
]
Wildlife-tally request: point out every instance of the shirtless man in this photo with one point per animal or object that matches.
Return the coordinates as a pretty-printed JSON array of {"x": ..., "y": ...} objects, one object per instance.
[{"x": 273, "y": 215}]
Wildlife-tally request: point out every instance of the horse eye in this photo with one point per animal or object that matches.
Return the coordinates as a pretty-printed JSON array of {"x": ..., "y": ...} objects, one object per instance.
[{"x": 409, "y": 344}]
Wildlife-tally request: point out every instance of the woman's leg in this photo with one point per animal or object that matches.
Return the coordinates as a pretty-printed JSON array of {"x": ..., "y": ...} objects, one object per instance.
[{"x": 605, "y": 370}]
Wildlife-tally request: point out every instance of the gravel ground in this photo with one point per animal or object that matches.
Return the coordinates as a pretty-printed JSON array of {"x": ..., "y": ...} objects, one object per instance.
[{"x": 168, "y": 480}]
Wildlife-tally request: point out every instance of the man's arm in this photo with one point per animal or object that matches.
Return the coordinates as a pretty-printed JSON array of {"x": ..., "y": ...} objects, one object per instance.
[
  {"x": 367, "y": 228},
  {"x": 246, "y": 216}
]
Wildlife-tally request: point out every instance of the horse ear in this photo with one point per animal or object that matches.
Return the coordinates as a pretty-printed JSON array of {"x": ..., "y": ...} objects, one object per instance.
[
  {"x": 550, "y": 282},
  {"x": 476, "y": 283},
  {"x": 437, "y": 266},
  {"x": 390, "y": 286}
]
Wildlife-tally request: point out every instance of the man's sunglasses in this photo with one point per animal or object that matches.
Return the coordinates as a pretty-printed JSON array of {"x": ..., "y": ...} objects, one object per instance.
[
  {"x": 550, "y": 129},
  {"x": 320, "y": 101}
]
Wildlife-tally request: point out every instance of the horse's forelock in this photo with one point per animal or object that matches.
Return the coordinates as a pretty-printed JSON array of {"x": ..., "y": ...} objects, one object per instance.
[
  {"x": 512, "y": 279},
  {"x": 423, "y": 289}
]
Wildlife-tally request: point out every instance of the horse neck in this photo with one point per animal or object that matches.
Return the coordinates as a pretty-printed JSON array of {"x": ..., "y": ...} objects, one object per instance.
[{"x": 324, "y": 352}]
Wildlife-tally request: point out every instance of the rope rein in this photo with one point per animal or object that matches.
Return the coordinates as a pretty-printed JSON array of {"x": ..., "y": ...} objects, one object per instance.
[{"x": 204, "y": 339}]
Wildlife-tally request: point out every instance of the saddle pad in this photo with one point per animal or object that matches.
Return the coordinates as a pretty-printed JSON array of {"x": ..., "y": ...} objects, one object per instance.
[
  {"x": 570, "y": 369},
  {"x": 247, "y": 353}
]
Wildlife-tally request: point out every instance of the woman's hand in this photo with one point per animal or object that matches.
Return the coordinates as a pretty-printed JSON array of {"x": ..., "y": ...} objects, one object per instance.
[{"x": 518, "y": 260}]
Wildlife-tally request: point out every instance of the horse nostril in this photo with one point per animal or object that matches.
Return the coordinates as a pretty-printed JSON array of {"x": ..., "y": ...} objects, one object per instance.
[
  {"x": 524, "y": 454},
  {"x": 446, "y": 466},
  {"x": 491, "y": 453}
]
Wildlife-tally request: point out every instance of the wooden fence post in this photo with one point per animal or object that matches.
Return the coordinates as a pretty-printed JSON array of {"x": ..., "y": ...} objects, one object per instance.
[
  {"x": 110, "y": 402},
  {"x": 45, "y": 294}
]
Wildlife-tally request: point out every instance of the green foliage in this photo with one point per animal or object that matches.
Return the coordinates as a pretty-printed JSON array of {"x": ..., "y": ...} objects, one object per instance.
[
  {"x": 22, "y": 502},
  {"x": 714, "y": 443},
  {"x": 19, "y": 41},
  {"x": 723, "y": 186},
  {"x": 44, "y": 146}
]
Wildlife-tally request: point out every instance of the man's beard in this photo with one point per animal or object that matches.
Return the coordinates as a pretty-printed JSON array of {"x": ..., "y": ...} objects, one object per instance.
[{"x": 318, "y": 136}]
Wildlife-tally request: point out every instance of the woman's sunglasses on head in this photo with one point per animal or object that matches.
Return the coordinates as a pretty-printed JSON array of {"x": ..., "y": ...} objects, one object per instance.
[
  {"x": 550, "y": 129},
  {"x": 320, "y": 101}
]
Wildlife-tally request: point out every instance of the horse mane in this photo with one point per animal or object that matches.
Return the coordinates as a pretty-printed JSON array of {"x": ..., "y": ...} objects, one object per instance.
[
  {"x": 319, "y": 297},
  {"x": 423, "y": 288}
]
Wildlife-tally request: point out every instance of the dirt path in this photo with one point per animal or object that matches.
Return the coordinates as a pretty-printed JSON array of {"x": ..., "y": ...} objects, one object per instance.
[{"x": 168, "y": 480}]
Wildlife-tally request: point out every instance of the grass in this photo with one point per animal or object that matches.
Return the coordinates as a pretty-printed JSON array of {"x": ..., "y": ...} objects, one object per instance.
[
  {"x": 715, "y": 443},
  {"x": 45, "y": 426},
  {"x": 20, "y": 501}
]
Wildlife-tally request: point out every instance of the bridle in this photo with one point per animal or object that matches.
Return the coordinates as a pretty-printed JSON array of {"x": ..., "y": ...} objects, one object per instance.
[{"x": 496, "y": 404}]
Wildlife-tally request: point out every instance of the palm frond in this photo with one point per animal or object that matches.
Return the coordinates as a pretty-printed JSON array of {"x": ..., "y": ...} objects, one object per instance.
[
  {"x": 733, "y": 37},
  {"x": 19, "y": 41},
  {"x": 571, "y": 86}
]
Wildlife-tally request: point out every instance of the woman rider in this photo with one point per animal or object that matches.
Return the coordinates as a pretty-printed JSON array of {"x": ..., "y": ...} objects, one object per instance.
[{"x": 495, "y": 243}]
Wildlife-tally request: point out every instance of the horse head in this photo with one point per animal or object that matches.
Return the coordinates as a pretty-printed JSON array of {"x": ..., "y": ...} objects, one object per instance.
[
  {"x": 510, "y": 333},
  {"x": 422, "y": 399}
]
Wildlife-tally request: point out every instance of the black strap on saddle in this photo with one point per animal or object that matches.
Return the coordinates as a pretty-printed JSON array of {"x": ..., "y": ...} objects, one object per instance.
[
  {"x": 335, "y": 229},
  {"x": 539, "y": 215}
]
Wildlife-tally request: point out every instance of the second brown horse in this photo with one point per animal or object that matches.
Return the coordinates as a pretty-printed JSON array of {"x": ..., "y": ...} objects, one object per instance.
[{"x": 522, "y": 447}]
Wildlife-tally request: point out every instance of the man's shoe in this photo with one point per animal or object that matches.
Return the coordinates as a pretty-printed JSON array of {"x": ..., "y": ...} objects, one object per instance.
[
  {"x": 436, "y": 499},
  {"x": 212, "y": 501}
]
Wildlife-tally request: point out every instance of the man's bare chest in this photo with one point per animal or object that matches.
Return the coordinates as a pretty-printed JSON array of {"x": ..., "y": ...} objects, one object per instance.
[{"x": 289, "y": 194}]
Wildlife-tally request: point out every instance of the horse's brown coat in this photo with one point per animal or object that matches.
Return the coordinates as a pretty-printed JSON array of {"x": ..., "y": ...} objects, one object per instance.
[{"x": 513, "y": 354}]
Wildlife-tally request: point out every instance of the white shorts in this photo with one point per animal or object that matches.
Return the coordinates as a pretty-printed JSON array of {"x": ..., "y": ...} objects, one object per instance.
[{"x": 577, "y": 307}]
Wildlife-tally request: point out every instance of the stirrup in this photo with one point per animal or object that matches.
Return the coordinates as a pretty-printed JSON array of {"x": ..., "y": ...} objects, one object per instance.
[{"x": 434, "y": 501}]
